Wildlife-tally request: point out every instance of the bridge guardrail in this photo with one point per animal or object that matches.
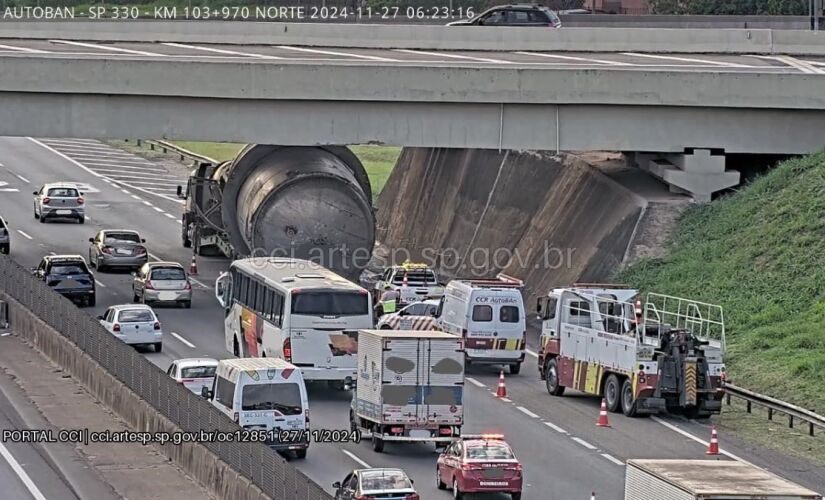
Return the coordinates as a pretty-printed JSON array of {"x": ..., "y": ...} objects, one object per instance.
[
  {"x": 258, "y": 463},
  {"x": 775, "y": 405},
  {"x": 184, "y": 153}
]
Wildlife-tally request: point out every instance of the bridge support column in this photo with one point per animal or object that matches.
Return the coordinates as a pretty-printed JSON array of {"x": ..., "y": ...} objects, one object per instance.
[{"x": 699, "y": 173}]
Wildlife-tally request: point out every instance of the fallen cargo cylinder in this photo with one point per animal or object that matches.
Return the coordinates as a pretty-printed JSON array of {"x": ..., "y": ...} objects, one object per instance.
[{"x": 310, "y": 203}]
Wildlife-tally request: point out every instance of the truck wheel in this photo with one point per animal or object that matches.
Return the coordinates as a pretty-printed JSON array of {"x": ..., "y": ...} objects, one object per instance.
[
  {"x": 515, "y": 368},
  {"x": 438, "y": 482},
  {"x": 377, "y": 444},
  {"x": 184, "y": 235},
  {"x": 457, "y": 494},
  {"x": 628, "y": 404},
  {"x": 352, "y": 425},
  {"x": 693, "y": 413},
  {"x": 612, "y": 393},
  {"x": 236, "y": 349},
  {"x": 551, "y": 378}
]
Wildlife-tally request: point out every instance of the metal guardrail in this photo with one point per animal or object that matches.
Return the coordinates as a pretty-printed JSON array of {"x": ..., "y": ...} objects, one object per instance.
[
  {"x": 265, "y": 468},
  {"x": 775, "y": 405},
  {"x": 184, "y": 153}
]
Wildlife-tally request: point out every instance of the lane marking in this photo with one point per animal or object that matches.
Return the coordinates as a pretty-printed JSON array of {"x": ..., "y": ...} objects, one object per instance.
[
  {"x": 52, "y": 253},
  {"x": 87, "y": 217},
  {"x": 136, "y": 197},
  {"x": 21, "y": 177},
  {"x": 147, "y": 203},
  {"x": 504, "y": 399},
  {"x": 127, "y": 174},
  {"x": 24, "y": 234},
  {"x": 694, "y": 438},
  {"x": 105, "y": 47},
  {"x": 24, "y": 49},
  {"x": 555, "y": 427},
  {"x": 124, "y": 191},
  {"x": 198, "y": 282},
  {"x": 803, "y": 66},
  {"x": 154, "y": 256},
  {"x": 189, "y": 344},
  {"x": 531, "y": 353},
  {"x": 150, "y": 183},
  {"x": 474, "y": 382},
  {"x": 573, "y": 58},
  {"x": 180, "y": 222},
  {"x": 815, "y": 63},
  {"x": 352, "y": 456},
  {"x": 220, "y": 51},
  {"x": 613, "y": 459},
  {"x": 685, "y": 59},
  {"x": 158, "y": 209},
  {"x": 526, "y": 412},
  {"x": 455, "y": 56},
  {"x": 336, "y": 53},
  {"x": 100, "y": 284},
  {"x": 169, "y": 215},
  {"x": 9, "y": 190},
  {"x": 35, "y": 492},
  {"x": 583, "y": 443}
]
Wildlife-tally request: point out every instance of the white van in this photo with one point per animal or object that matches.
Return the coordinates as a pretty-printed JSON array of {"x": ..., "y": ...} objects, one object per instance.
[
  {"x": 489, "y": 315},
  {"x": 264, "y": 394}
]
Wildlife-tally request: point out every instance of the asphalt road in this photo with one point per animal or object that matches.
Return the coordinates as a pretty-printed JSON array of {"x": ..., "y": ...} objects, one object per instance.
[
  {"x": 566, "y": 457},
  {"x": 281, "y": 54}
]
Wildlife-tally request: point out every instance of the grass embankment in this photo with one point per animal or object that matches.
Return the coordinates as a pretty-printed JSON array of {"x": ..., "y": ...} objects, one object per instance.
[
  {"x": 759, "y": 254},
  {"x": 378, "y": 160}
]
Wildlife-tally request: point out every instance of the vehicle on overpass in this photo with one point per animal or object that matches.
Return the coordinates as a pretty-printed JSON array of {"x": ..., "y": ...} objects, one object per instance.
[
  {"x": 5, "y": 237},
  {"x": 375, "y": 484},
  {"x": 417, "y": 316},
  {"x": 666, "y": 356},
  {"x": 162, "y": 282},
  {"x": 134, "y": 324},
  {"x": 414, "y": 282},
  {"x": 707, "y": 480},
  {"x": 482, "y": 463},
  {"x": 69, "y": 276},
  {"x": 489, "y": 315},
  {"x": 267, "y": 396},
  {"x": 514, "y": 15},
  {"x": 59, "y": 200},
  {"x": 297, "y": 311},
  {"x": 410, "y": 387},
  {"x": 193, "y": 373},
  {"x": 112, "y": 248}
]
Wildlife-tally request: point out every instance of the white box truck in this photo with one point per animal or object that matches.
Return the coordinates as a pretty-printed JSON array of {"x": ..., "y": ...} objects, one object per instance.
[
  {"x": 707, "y": 480},
  {"x": 410, "y": 386}
]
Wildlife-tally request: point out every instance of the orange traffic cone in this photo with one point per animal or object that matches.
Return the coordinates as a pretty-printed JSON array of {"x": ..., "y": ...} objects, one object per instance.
[
  {"x": 501, "y": 392},
  {"x": 602, "y": 422},
  {"x": 193, "y": 267},
  {"x": 713, "y": 446}
]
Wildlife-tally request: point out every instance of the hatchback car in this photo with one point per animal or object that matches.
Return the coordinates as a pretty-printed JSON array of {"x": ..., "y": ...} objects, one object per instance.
[
  {"x": 193, "y": 373},
  {"x": 59, "y": 200},
  {"x": 162, "y": 282},
  {"x": 134, "y": 325},
  {"x": 384, "y": 484},
  {"x": 479, "y": 464},
  {"x": 112, "y": 248},
  {"x": 5, "y": 237},
  {"x": 69, "y": 276},
  {"x": 514, "y": 15}
]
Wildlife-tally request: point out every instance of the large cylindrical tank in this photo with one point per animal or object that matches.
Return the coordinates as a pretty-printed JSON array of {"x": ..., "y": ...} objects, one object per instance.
[{"x": 312, "y": 203}]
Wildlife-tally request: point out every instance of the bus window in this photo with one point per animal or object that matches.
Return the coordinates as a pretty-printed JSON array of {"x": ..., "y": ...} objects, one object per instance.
[{"x": 330, "y": 304}]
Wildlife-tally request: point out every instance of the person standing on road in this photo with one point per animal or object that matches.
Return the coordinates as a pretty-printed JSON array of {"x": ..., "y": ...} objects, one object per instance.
[{"x": 389, "y": 301}]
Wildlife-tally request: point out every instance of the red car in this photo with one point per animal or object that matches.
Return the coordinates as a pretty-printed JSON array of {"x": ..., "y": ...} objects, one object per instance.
[{"x": 480, "y": 463}]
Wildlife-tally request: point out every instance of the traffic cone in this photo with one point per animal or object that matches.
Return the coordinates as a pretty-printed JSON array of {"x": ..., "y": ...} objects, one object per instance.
[
  {"x": 501, "y": 392},
  {"x": 193, "y": 267},
  {"x": 713, "y": 446},
  {"x": 602, "y": 422},
  {"x": 593, "y": 496}
]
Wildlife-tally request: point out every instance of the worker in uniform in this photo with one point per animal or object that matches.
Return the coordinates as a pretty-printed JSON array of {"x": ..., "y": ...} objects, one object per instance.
[{"x": 389, "y": 301}]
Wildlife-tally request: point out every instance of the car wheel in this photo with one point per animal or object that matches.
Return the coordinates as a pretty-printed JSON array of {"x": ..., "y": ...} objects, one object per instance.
[
  {"x": 612, "y": 393},
  {"x": 188, "y": 304},
  {"x": 301, "y": 454},
  {"x": 158, "y": 346},
  {"x": 135, "y": 297},
  {"x": 91, "y": 301},
  {"x": 81, "y": 219},
  {"x": 515, "y": 368},
  {"x": 438, "y": 482},
  {"x": 516, "y": 495},
  {"x": 457, "y": 494},
  {"x": 42, "y": 219},
  {"x": 386, "y": 327},
  {"x": 100, "y": 267}
]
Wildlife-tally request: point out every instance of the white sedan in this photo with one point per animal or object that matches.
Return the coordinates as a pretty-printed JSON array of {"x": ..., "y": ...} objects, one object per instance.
[
  {"x": 193, "y": 373},
  {"x": 416, "y": 316},
  {"x": 135, "y": 324}
]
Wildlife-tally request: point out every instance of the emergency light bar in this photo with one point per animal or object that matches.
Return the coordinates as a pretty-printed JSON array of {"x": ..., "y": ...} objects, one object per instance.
[
  {"x": 412, "y": 265},
  {"x": 600, "y": 285},
  {"x": 483, "y": 436},
  {"x": 501, "y": 280}
]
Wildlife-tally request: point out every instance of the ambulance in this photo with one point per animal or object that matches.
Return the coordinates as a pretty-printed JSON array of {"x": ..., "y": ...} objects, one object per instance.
[{"x": 415, "y": 282}]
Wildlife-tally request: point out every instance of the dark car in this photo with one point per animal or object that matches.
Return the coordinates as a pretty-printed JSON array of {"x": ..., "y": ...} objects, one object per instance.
[
  {"x": 69, "y": 276},
  {"x": 513, "y": 15},
  {"x": 375, "y": 484},
  {"x": 112, "y": 248},
  {"x": 5, "y": 237}
]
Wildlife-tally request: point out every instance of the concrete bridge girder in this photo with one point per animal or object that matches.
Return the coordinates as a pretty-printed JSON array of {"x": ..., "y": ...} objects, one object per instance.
[{"x": 699, "y": 173}]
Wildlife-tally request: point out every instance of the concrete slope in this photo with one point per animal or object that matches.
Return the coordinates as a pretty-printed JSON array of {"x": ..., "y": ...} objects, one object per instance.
[{"x": 549, "y": 220}]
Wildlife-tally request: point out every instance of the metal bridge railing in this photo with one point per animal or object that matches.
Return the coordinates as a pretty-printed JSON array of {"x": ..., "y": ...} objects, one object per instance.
[{"x": 183, "y": 153}]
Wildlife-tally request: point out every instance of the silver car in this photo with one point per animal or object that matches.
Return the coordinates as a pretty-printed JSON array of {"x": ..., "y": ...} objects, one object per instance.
[
  {"x": 162, "y": 282},
  {"x": 59, "y": 200},
  {"x": 117, "y": 248},
  {"x": 133, "y": 324},
  {"x": 5, "y": 237},
  {"x": 193, "y": 373}
]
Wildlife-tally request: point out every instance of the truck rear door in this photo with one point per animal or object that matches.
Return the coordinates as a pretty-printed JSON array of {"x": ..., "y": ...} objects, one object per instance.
[
  {"x": 401, "y": 380},
  {"x": 443, "y": 362}
]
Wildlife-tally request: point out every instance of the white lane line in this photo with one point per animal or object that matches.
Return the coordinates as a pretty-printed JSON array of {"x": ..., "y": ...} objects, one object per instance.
[
  {"x": 336, "y": 53},
  {"x": 193, "y": 280},
  {"x": 573, "y": 58},
  {"x": 527, "y": 412},
  {"x": 531, "y": 353},
  {"x": 22, "y": 178},
  {"x": 158, "y": 209},
  {"x": 136, "y": 197},
  {"x": 694, "y": 438},
  {"x": 505, "y": 400},
  {"x": 124, "y": 191},
  {"x": 155, "y": 257},
  {"x": 58, "y": 153},
  {"x": 105, "y": 47},
  {"x": 86, "y": 149},
  {"x": 148, "y": 183},
  {"x": 169, "y": 215},
  {"x": 360, "y": 462},
  {"x": 613, "y": 459},
  {"x": 189, "y": 344},
  {"x": 815, "y": 63},
  {"x": 685, "y": 59},
  {"x": 35, "y": 492},
  {"x": 180, "y": 222},
  {"x": 147, "y": 203},
  {"x": 584, "y": 443},
  {"x": 24, "y": 49},
  {"x": 24, "y": 234},
  {"x": 52, "y": 253},
  {"x": 100, "y": 284},
  {"x": 220, "y": 51},
  {"x": 555, "y": 427},
  {"x": 474, "y": 382},
  {"x": 802, "y": 66},
  {"x": 137, "y": 175},
  {"x": 454, "y": 56}
]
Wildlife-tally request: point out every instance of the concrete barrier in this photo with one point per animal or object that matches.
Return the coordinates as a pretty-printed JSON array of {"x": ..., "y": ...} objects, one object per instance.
[
  {"x": 686, "y": 21},
  {"x": 593, "y": 39}
]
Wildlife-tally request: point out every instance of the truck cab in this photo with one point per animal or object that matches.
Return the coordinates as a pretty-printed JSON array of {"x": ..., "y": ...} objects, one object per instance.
[{"x": 415, "y": 282}]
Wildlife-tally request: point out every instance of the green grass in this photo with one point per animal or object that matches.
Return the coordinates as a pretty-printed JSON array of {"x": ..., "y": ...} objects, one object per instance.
[
  {"x": 760, "y": 254},
  {"x": 378, "y": 160}
]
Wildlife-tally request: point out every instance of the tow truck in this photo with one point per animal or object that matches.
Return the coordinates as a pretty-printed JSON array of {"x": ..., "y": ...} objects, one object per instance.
[
  {"x": 414, "y": 281},
  {"x": 663, "y": 356}
]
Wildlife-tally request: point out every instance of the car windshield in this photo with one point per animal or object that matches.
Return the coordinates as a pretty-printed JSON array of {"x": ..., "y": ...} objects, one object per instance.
[
  {"x": 490, "y": 451},
  {"x": 330, "y": 304},
  {"x": 121, "y": 238},
  {"x": 198, "y": 371},
  {"x": 285, "y": 398},
  {"x": 168, "y": 273},
  {"x": 425, "y": 277},
  {"x": 135, "y": 316},
  {"x": 68, "y": 268},
  {"x": 384, "y": 480},
  {"x": 63, "y": 192}
]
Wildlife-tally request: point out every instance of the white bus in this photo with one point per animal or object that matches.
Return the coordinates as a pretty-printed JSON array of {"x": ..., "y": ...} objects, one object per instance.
[{"x": 295, "y": 310}]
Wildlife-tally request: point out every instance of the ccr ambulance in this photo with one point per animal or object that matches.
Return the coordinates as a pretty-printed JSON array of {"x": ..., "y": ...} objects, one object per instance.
[{"x": 489, "y": 316}]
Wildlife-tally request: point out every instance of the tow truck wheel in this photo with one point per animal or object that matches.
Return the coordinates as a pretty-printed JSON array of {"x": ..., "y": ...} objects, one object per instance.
[
  {"x": 628, "y": 404},
  {"x": 438, "y": 482},
  {"x": 377, "y": 444},
  {"x": 456, "y": 493},
  {"x": 551, "y": 378},
  {"x": 612, "y": 393}
]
